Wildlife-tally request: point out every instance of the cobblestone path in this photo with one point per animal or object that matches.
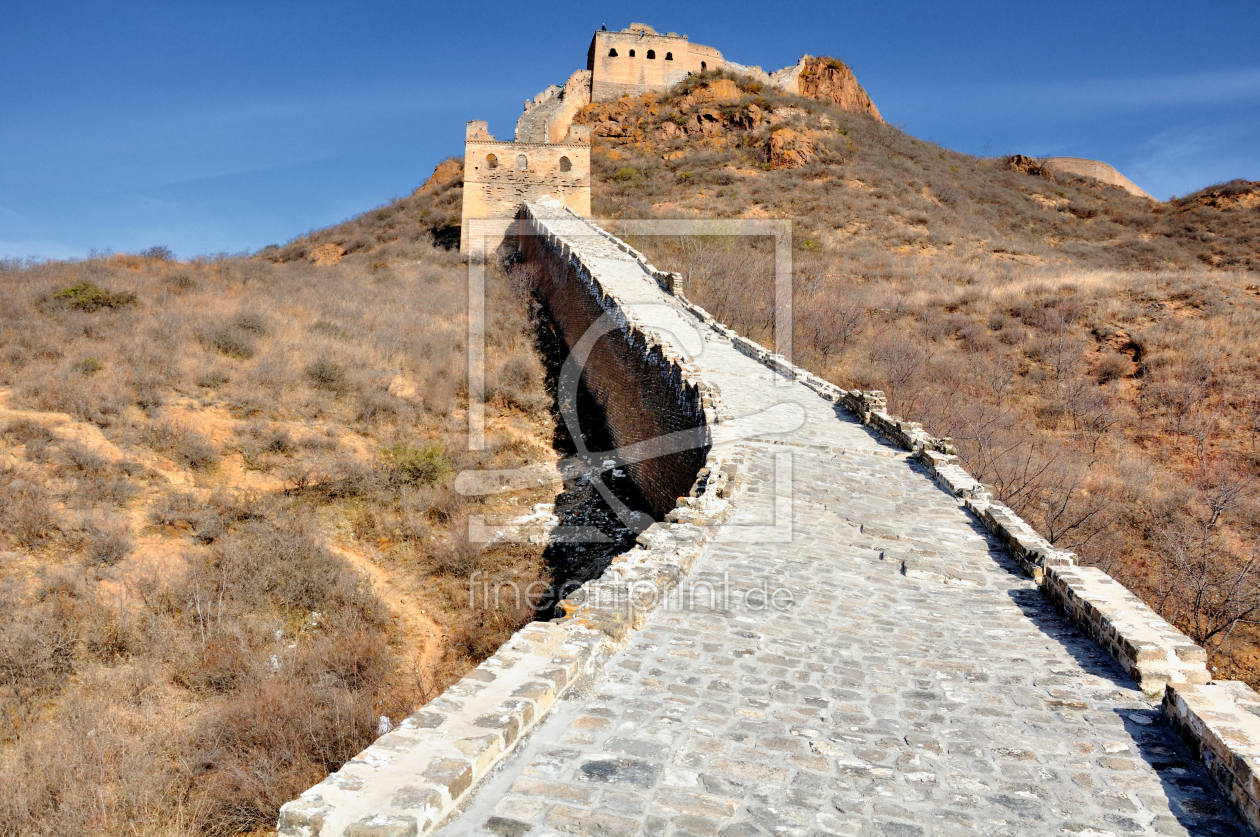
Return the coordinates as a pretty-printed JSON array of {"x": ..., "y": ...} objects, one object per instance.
[{"x": 912, "y": 683}]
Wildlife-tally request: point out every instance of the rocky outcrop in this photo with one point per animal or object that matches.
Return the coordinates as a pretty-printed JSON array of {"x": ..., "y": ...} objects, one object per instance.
[
  {"x": 790, "y": 149},
  {"x": 827, "y": 80},
  {"x": 1028, "y": 165},
  {"x": 444, "y": 175},
  {"x": 326, "y": 254},
  {"x": 1236, "y": 194},
  {"x": 715, "y": 92}
]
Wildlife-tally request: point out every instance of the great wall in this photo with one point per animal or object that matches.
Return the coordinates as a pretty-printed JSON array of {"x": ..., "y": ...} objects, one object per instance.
[{"x": 831, "y": 628}]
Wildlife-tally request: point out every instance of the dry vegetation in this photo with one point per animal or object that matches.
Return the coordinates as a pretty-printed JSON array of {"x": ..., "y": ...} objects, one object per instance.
[
  {"x": 228, "y": 541},
  {"x": 1095, "y": 355}
]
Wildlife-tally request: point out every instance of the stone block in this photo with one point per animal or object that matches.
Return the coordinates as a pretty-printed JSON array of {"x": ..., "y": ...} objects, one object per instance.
[
  {"x": 452, "y": 776},
  {"x": 303, "y": 817},
  {"x": 384, "y": 825},
  {"x": 1150, "y": 650}
]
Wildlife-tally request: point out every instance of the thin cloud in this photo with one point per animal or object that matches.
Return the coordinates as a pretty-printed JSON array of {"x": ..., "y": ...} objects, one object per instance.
[
  {"x": 1184, "y": 160},
  {"x": 1196, "y": 89}
]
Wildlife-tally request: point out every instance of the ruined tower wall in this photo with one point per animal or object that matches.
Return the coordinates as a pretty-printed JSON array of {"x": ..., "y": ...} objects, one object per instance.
[
  {"x": 577, "y": 94},
  {"x": 644, "y": 61},
  {"x": 497, "y": 181}
]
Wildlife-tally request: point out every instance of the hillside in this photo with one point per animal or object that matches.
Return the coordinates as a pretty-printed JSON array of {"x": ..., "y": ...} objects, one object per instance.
[
  {"x": 1093, "y": 353},
  {"x": 723, "y": 146},
  {"x": 228, "y": 538}
]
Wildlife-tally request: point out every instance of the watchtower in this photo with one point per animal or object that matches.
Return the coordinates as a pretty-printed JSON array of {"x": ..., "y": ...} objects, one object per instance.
[
  {"x": 500, "y": 176},
  {"x": 638, "y": 59}
]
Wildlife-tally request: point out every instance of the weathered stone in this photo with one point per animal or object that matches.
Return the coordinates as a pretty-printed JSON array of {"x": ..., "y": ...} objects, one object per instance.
[
  {"x": 410, "y": 797},
  {"x": 303, "y": 817},
  {"x": 504, "y": 827},
  {"x": 453, "y": 775},
  {"x": 620, "y": 771},
  {"x": 383, "y": 825},
  {"x": 593, "y": 823}
]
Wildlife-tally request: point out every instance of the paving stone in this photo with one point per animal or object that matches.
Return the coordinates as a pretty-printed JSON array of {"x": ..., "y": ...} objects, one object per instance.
[{"x": 593, "y": 823}]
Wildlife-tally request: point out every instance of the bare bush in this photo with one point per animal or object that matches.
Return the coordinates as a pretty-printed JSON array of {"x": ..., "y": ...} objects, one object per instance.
[
  {"x": 183, "y": 445},
  {"x": 106, "y": 542},
  {"x": 26, "y": 514}
]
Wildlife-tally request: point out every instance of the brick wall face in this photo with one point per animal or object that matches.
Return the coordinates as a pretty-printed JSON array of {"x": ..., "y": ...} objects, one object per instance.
[{"x": 642, "y": 393}]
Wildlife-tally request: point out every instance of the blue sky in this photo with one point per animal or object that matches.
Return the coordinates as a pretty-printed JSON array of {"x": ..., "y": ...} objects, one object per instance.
[{"x": 225, "y": 126}]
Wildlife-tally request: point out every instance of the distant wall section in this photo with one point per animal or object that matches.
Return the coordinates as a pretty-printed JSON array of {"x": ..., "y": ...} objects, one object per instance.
[
  {"x": 500, "y": 176},
  {"x": 1096, "y": 169}
]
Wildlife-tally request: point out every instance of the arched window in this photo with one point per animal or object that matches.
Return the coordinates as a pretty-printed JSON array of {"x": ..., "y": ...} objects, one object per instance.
[
  {"x": 565, "y": 165},
  {"x": 612, "y": 53},
  {"x": 632, "y": 53},
  {"x": 521, "y": 163},
  {"x": 669, "y": 56},
  {"x": 651, "y": 53},
  {"x": 492, "y": 162},
  {"x": 703, "y": 66}
]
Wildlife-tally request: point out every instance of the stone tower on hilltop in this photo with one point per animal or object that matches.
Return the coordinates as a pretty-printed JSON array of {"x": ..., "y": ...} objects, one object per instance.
[{"x": 637, "y": 60}]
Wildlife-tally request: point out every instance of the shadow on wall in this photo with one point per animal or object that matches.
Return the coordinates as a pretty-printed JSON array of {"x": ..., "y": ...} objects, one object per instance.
[{"x": 572, "y": 561}]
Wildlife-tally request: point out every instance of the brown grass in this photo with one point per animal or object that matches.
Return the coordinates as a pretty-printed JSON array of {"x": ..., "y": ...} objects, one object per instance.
[{"x": 230, "y": 540}]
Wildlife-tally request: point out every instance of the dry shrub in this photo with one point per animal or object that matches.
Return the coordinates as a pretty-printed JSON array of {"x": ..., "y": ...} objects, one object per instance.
[
  {"x": 106, "y": 541},
  {"x": 25, "y": 431},
  {"x": 88, "y": 297},
  {"x": 232, "y": 340},
  {"x": 250, "y": 660},
  {"x": 37, "y": 645},
  {"x": 328, "y": 375},
  {"x": 265, "y": 564},
  {"x": 257, "y": 439},
  {"x": 185, "y": 446},
  {"x": 270, "y": 742},
  {"x": 26, "y": 514},
  {"x": 421, "y": 466}
]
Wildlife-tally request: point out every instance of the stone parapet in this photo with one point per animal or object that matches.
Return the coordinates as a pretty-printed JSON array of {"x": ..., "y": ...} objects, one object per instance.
[
  {"x": 1221, "y": 723},
  {"x": 410, "y": 778},
  {"x": 1030, "y": 550},
  {"x": 1151, "y": 651}
]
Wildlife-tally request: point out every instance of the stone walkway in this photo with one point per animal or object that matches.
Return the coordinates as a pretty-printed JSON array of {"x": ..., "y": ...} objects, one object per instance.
[{"x": 908, "y": 682}]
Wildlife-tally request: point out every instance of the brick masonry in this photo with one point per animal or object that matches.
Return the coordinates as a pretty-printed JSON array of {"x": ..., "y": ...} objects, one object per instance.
[{"x": 646, "y": 393}]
